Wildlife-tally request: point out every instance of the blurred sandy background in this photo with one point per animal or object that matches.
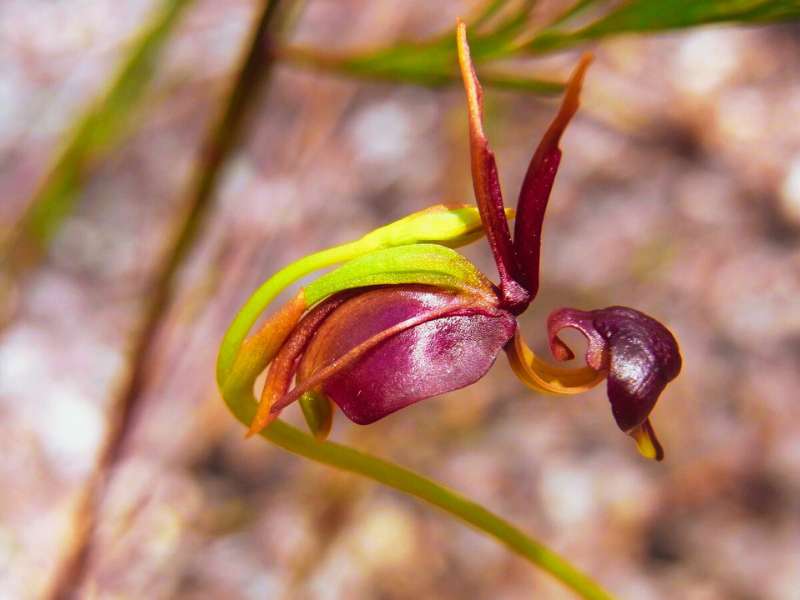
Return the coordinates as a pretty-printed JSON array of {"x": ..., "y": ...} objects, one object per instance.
[{"x": 679, "y": 194}]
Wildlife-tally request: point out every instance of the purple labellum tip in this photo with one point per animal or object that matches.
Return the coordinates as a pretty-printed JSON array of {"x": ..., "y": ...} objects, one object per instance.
[{"x": 639, "y": 354}]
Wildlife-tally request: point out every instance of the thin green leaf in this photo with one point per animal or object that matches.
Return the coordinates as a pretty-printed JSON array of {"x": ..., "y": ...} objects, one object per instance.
[
  {"x": 432, "y": 68},
  {"x": 577, "y": 9},
  {"x": 648, "y": 16},
  {"x": 433, "y": 62},
  {"x": 660, "y": 15}
]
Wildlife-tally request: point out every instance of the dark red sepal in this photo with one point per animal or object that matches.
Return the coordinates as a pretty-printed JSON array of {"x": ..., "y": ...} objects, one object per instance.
[{"x": 538, "y": 182}]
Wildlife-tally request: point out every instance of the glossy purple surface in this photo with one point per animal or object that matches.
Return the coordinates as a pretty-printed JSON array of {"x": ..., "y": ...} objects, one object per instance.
[
  {"x": 435, "y": 357},
  {"x": 639, "y": 353},
  {"x": 538, "y": 183},
  {"x": 533, "y": 198}
]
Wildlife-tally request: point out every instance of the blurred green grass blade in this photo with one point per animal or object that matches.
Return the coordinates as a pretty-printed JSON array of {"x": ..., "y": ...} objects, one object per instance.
[
  {"x": 650, "y": 16},
  {"x": 575, "y": 10},
  {"x": 433, "y": 62},
  {"x": 98, "y": 128},
  {"x": 432, "y": 70},
  {"x": 519, "y": 82},
  {"x": 659, "y": 15},
  {"x": 488, "y": 11}
]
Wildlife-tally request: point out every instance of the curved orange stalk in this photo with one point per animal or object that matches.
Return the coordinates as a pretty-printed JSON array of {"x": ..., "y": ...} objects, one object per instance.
[{"x": 544, "y": 377}]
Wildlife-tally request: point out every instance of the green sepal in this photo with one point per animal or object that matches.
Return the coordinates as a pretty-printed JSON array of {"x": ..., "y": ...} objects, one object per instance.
[
  {"x": 453, "y": 226},
  {"x": 427, "y": 264}
]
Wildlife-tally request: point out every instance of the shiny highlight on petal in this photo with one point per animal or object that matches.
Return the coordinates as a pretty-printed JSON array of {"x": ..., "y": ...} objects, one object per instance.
[
  {"x": 324, "y": 372},
  {"x": 639, "y": 355}
]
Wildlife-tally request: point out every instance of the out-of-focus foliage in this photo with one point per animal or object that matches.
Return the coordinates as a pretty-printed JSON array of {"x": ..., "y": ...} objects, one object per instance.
[
  {"x": 645, "y": 16},
  {"x": 100, "y": 126},
  {"x": 433, "y": 61},
  {"x": 501, "y": 29},
  {"x": 504, "y": 29}
]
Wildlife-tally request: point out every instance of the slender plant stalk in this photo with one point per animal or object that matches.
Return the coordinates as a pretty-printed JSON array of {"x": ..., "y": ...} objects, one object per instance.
[
  {"x": 409, "y": 482},
  {"x": 92, "y": 135},
  {"x": 253, "y": 70},
  {"x": 404, "y": 480}
]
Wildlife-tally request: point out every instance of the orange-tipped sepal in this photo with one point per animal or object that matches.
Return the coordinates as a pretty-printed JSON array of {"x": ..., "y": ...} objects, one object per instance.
[
  {"x": 284, "y": 366},
  {"x": 260, "y": 348},
  {"x": 569, "y": 105},
  {"x": 486, "y": 183}
]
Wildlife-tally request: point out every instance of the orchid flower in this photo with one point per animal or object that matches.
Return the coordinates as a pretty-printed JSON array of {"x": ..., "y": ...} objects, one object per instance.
[{"x": 405, "y": 317}]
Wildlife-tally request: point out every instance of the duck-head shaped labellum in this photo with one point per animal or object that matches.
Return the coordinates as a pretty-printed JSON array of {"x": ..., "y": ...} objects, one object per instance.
[{"x": 406, "y": 318}]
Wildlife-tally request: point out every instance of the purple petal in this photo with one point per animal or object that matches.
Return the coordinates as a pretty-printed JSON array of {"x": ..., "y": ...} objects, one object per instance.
[
  {"x": 538, "y": 182},
  {"x": 486, "y": 184},
  {"x": 531, "y": 207},
  {"x": 432, "y": 358},
  {"x": 639, "y": 353}
]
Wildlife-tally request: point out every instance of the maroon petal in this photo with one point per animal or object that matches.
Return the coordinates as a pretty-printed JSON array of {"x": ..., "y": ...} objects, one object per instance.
[
  {"x": 538, "y": 182},
  {"x": 486, "y": 184},
  {"x": 437, "y": 356},
  {"x": 640, "y": 355}
]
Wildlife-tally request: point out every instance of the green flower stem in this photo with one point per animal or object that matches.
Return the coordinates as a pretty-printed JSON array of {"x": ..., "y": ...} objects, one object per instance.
[
  {"x": 409, "y": 482},
  {"x": 262, "y": 297}
]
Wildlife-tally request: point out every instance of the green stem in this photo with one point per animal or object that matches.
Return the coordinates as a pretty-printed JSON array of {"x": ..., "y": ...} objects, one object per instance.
[
  {"x": 269, "y": 290},
  {"x": 409, "y": 482}
]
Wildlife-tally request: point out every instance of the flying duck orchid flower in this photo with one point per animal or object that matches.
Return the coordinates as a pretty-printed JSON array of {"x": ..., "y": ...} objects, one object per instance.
[{"x": 405, "y": 317}]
